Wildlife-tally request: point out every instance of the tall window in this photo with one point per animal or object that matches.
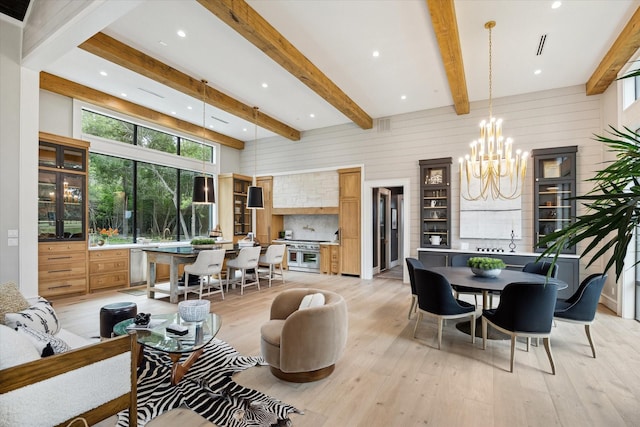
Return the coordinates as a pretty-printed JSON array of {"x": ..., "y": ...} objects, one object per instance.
[{"x": 139, "y": 198}]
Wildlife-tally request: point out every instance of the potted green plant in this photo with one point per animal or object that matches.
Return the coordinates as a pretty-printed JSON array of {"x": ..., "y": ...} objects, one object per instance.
[
  {"x": 486, "y": 266},
  {"x": 203, "y": 243}
]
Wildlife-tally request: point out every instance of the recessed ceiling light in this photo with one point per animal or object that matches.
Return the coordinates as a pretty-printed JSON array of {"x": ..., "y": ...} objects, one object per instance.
[
  {"x": 211, "y": 126},
  {"x": 312, "y": 115},
  {"x": 124, "y": 95},
  {"x": 244, "y": 129},
  {"x": 173, "y": 113},
  {"x": 189, "y": 107},
  {"x": 376, "y": 54},
  {"x": 538, "y": 71},
  {"x": 403, "y": 97},
  {"x": 556, "y": 4},
  {"x": 264, "y": 85},
  {"x": 103, "y": 73},
  {"x": 162, "y": 43},
  {"x": 181, "y": 33}
]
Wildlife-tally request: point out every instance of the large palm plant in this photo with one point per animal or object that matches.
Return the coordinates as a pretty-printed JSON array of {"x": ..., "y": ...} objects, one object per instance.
[{"x": 613, "y": 206}]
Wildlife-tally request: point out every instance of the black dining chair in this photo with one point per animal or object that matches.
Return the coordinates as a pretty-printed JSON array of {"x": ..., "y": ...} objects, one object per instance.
[
  {"x": 542, "y": 268},
  {"x": 435, "y": 299},
  {"x": 412, "y": 264},
  {"x": 581, "y": 306},
  {"x": 525, "y": 309},
  {"x": 460, "y": 260}
]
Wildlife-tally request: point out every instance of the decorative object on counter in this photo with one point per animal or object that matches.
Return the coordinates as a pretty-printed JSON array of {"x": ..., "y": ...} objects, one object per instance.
[
  {"x": 481, "y": 249},
  {"x": 485, "y": 266},
  {"x": 194, "y": 310},
  {"x": 105, "y": 234},
  {"x": 216, "y": 232},
  {"x": 435, "y": 240},
  {"x": 203, "y": 243},
  {"x": 142, "y": 319},
  {"x": 512, "y": 244},
  {"x": 203, "y": 186},
  {"x": 254, "y": 194},
  {"x": 491, "y": 163}
]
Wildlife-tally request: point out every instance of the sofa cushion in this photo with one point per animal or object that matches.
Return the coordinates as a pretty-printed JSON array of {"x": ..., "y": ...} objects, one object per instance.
[
  {"x": 11, "y": 300},
  {"x": 39, "y": 316},
  {"x": 16, "y": 349},
  {"x": 271, "y": 331},
  {"x": 46, "y": 344},
  {"x": 311, "y": 300}
]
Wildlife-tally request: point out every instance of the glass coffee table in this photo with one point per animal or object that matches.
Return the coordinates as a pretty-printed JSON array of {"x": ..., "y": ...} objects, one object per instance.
[{"x": 155, "y": 336}]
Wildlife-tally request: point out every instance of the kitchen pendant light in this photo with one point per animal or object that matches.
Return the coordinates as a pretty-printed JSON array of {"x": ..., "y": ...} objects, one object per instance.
[
  {"x": 203, "y": 188},
  {"x": 254, "y": 194}
]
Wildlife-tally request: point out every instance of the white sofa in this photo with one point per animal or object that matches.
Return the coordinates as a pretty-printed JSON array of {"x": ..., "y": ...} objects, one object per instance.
[{"x": 92, "y": 380}]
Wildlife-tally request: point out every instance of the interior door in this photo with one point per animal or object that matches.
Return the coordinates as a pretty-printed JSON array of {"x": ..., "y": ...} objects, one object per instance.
[{"x": 384, "y": 228}]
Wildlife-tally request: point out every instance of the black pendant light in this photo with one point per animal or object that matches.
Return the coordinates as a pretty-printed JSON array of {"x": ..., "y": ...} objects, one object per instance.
[
  {"x": 254, "y": 194},
  {"x": 203, "y": 185}
]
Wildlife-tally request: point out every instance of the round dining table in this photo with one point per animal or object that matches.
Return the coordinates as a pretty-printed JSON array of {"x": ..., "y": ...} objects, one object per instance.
[{"x": 462, "y": 276}]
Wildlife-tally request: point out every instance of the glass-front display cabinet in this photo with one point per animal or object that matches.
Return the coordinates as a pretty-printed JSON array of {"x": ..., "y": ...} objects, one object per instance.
[
  {"x": 241, "y": 215},
  {"x": 555, "y": 186},
  {"x": 61, "y": 191},
  {"x": 435, "y": 204}
]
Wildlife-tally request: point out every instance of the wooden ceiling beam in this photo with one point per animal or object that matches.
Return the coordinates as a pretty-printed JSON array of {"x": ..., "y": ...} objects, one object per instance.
[
  {"x": 112, "y": 50},
  {"x": 617, "y": 57},
  {"x": 253, "y": 27},
  {"x": 445, "y": 26},
  {"x": 75, "y": 90}
]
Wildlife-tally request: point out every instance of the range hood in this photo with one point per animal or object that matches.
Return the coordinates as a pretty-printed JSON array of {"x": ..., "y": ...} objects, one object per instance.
[{"x": 325, "y": 210}]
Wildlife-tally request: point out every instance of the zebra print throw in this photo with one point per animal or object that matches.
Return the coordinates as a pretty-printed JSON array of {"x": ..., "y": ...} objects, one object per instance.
[{"x": 207, "y": 388}]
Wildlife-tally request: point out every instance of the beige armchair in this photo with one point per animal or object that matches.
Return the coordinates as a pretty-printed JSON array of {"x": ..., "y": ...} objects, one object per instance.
[{"x": 304, "y": 345}]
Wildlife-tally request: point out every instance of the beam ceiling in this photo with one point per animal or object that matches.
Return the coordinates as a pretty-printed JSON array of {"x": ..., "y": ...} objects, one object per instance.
[
  {"x": 119, "y": 53},
  {"x": 249, "y": 24},
  {"x": 617, "y": 57},
  {"x": 68, "y": 88},
  {"x": 443, "y": 19}
]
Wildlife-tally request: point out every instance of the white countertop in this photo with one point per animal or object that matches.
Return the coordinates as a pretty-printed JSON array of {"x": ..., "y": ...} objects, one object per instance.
[
  {"x": 147, "y": 245},
  {"x": 480, "y": 253}
]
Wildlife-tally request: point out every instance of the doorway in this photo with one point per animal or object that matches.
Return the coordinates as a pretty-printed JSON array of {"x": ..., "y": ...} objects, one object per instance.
[{"x": 387, "y": 228}]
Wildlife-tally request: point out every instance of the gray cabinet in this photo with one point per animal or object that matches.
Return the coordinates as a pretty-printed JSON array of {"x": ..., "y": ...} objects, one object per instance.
[
  {"x": 568, "y": 268},
  {"x": 435, "y": 203}
]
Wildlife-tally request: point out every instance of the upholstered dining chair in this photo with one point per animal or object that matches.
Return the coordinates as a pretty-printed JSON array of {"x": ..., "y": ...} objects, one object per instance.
[
  {"x": 273, "y": 258},
  {"x": 525, "y": 309},
  {"x": 247, "y": 259},
  {"x": 581, "y": 306},
  {"x": 542, "y": 268},
  {"x": 208, "y": 263},
  {"x": 435, "y": 299},
  {"x": 412, "y": 264},
  {"x": 460, "y": 260}
]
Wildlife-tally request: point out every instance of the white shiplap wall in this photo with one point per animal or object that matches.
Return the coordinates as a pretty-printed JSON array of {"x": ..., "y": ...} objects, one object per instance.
[{"x": 553, "y": 118}]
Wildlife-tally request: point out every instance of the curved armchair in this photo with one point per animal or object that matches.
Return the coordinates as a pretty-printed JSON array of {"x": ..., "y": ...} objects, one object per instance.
[
  {"x": 412, "y": 264},
  {"x": 525, "y": 309},
  {"x": 542, "y": 268},
  {"x": 581, "y": 306},
  {"x": 303, "y": 345},
  {"x": 208, "y": 263},
  {"x": 435, "y": 299}
]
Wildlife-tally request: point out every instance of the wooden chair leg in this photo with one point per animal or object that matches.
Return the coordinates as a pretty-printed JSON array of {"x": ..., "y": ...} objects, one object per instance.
[
  {"x": 473, "y": 329},
  {"x": 587, "y": 329},
  {"x": 418, "y": 319},
  {"x": 513, "y": 352},
  {"x": 439, "y": 332},
  {"x": 547, "y": 346},
  {"x": 484, "y": 333},
  {"x": 528, "y": 343}
]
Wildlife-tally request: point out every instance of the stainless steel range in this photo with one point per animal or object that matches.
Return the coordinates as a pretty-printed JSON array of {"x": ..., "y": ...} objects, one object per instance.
[{"x": 304, "y": 255}]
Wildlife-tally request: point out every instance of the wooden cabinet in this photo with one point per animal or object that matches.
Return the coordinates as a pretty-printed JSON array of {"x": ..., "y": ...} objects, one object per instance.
[
  {"x": 233, "y": 215},
  {"x": 329, "y": 259},
  {"x": 349, "y": 220},
  {"x": 62, "y": 268},
  {"x": 62, "y": 213},
  {"x": 555, "y": 185},
  {"x": 435, "y": 203},
  {"x": 108, "y": 268},
  {"x": 62, "y": 177},
  {"x": 267, "y": 224}
]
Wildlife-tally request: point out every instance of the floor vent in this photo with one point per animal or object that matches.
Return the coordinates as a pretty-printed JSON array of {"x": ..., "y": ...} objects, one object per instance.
[{"x": 384, "y": 124}]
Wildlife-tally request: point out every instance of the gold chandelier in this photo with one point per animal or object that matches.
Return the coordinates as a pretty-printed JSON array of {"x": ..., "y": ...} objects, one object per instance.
[{"x": 492, "y": 170}]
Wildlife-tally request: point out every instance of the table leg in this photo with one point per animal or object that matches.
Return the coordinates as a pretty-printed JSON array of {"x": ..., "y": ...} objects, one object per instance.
[
  {"x": 173, "y": 280},
  {"x": 485, "y": 299},
  {"x": 179, "y": 369},
  {"x": 151, "y": 276}
]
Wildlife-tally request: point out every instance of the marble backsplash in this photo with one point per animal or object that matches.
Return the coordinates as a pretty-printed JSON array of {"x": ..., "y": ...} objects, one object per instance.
[{"x": 312, "y": 227}]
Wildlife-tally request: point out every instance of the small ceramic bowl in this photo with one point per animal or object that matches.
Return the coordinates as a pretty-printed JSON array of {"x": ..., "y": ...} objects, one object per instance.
[{"x": 194, "y": 310}]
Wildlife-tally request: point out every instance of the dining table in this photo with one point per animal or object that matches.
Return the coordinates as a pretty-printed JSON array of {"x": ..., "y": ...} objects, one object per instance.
[
  {"x": 174, "y": 256},
  {"x": 463, "y": 276}
]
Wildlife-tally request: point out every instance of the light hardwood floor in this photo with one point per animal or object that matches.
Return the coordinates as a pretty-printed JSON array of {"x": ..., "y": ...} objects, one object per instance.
[{"x": 386, "y": 378}]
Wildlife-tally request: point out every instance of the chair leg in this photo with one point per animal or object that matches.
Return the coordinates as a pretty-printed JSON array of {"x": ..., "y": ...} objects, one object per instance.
[
  {"x": 242, "y": 281},
  {"x": 418, "y": 319},
  {"x": 186, "y": 285},
  {"x": 281, "y": 273},
  {"x": 484, "y": 333},
  {"x": 439, "y": 332},
  {"x": 547, "y": 346},
  {"x": 473, "y": 329},
  {"x": 513, "y": 352},
  {"x": 528, "y": 343},
  {"x": 414, "y": 301},
  {"x": 587, "y": 329},
  {"x": 228, "y": 274}
]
